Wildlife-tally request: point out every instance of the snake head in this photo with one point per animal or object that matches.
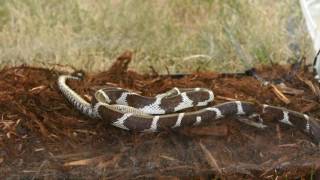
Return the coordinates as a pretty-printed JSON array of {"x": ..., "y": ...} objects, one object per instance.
[{"x": 79, "y": 74}]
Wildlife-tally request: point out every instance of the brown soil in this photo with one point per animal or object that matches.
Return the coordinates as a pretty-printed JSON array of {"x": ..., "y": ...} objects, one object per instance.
[{"x": 41, "y": 135}]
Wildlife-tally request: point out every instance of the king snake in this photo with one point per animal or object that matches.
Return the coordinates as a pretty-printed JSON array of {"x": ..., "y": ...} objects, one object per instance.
[{"x": 130, "y": 111}]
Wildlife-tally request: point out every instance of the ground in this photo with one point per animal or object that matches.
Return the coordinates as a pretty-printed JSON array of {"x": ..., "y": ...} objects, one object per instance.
[{"x": 41, "y": 135}]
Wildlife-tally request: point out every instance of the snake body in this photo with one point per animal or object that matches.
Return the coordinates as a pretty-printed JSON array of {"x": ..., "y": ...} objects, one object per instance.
[
  {"x": 172, "y": 101},
  {"x": 130, "y": 115}
]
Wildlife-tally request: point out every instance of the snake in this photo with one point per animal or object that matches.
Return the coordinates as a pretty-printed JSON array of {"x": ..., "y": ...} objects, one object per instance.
[{"x": 130, "y": 111}]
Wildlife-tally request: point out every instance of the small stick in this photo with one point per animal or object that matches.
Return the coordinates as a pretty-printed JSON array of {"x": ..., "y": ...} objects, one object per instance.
[
  {"x": 278, "y": 132},
  {"x": 225, "y": 98},
  {"x": 294, "y": 145},
  {"x": 211, "y": 160},
  {"x": 280, "y": 95},
  {"x": 288, "y": 90},
  {"x": 40, "y": 88},
  {"x": 314, "y": 89},
  {"x": 87, "y": 97}
]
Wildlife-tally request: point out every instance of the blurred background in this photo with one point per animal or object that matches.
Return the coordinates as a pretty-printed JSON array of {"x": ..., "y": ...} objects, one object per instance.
[{"x": 175, "y": 36}]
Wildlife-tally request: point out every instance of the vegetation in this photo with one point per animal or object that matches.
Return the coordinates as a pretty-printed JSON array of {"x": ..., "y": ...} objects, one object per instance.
[{"x": 179, "y": 35}]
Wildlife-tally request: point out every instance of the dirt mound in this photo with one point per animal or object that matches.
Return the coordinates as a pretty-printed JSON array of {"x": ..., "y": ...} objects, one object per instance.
[{"x": 41, "y": 135}]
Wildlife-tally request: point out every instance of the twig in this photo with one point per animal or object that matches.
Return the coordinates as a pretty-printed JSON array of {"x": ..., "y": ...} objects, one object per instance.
[
  {"x": 314, "y": 89},
  {"x": 279, "y": 94},
  {"x": 211, "y": 160},
  {"x": 225, "y": 98},
  {"x": 38, "y": 88},
  {"x": 278, "y": 132},
  {"x": 294, "y": 145},
  {"x": 288, "y": 90}
]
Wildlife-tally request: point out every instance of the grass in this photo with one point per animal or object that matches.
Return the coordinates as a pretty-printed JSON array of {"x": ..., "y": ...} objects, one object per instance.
[{"x": 179, "y": 35}]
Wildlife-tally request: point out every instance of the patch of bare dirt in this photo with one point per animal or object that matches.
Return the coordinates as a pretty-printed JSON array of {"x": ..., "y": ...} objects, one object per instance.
[{"x": 41, "y": 135}]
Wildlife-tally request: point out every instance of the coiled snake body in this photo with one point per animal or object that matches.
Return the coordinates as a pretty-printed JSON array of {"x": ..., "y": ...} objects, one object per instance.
[{"x": 137, "y": 113}]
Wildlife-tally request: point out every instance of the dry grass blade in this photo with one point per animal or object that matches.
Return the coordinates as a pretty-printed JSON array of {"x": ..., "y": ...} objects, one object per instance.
[
  {"x": 196, "y": 56},
  {"x": 84, "y": 162}
]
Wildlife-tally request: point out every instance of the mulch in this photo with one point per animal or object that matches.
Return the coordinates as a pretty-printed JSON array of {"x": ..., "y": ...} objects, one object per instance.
[{"x": 41, "y": 135}]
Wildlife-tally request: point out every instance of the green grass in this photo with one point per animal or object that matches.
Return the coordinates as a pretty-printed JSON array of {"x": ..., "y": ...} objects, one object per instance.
[{"x": 228, "y": 35}]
